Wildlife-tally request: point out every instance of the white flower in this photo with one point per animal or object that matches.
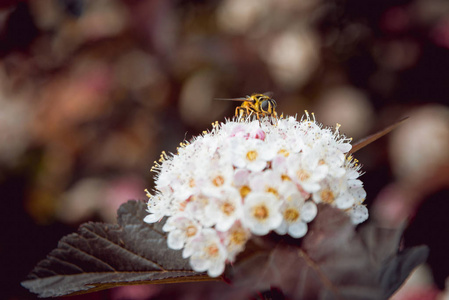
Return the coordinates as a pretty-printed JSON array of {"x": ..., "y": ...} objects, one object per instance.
[
  {"x": 306, "y": 170},
  {"x": 261, "y": 212},
  {"x": 225, "y": 209},
  {"x": 252, "y": 154},
  {"x": 241, "y": 181},
  {"x": 158, "y": 207},
  {"x": 180, "y": 229},
  {"x": 250, "y": 177},
  {"x": 329, "y": 155},
  {"x": 287, "y": 138},
  {"x": 206, "y": 253},
  {"x": 196, "y": 207},
  {"x": 235, "y": 239},
  {"x": 215, "y": 177},
  {"x": 335, "y": 192},
  {"x": 296, "y": 212},
  {"x": 268, "y": 182}
]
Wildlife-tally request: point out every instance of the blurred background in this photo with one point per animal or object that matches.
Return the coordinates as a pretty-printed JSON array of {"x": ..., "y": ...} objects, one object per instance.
[{"x": 92, "y": 91}]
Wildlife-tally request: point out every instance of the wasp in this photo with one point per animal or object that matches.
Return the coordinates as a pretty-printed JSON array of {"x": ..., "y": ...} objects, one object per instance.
[{"x": 257, "y": 104}]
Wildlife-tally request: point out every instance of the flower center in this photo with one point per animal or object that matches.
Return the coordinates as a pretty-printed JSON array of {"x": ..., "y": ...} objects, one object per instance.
[
  {"x": 251, "y": 155},
  {"x": 302, "y": 175},
  {"x": 244, "y": 190},
  {"x": 284, "y": 152},
  {"x": 191, "y": 231},
  {"x": 285, "y": 177},
  {"x": 227, "y": 208},
  {"x": 182, "y": 205},
  {"x": 200, "y": 199},
  {"x": 238, "y": 237},
  {"x": 291, "y": 215},
  {"x": 212, "y": 250},
  {"x": 192, "y": 182},
  {"x": 218, "y": 180},
  {"x": 272, "y": 190},
  {"x": 327, "y": 196},
  {"x": 260, "y": 212}
]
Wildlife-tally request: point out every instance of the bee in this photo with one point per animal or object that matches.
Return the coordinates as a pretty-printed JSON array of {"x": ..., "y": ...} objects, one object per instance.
[{"x": 257, "y": 104}]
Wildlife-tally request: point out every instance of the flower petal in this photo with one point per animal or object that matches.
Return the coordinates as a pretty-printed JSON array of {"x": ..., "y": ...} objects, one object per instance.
[
  {"x": 297, "y": 230},
  {"x": 309, "y": 211}
]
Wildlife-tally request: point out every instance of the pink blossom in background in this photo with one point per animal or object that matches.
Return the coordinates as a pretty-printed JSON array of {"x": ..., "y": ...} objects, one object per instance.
[{"x": 135, "y": 292}]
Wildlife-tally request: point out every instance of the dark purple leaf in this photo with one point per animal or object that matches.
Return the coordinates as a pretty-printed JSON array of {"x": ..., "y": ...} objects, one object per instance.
[
  {"x": 102, "y": 255},
  {"x": 334, "y": 262}
]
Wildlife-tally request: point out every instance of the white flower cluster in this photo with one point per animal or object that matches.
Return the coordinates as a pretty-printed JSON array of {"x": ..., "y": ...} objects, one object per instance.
[{"x": 249, "y": 177}]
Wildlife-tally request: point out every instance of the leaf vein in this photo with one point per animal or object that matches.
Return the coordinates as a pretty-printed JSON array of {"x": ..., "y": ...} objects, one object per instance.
[
  {"x": 65, "y": 262},
  {"x": 326, "y": 281},
  {"x": 128, "y": 250},
  {"x": 90, "y": 255}
]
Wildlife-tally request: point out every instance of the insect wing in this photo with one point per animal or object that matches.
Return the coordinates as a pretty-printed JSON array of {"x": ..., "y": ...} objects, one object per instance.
[
  {"x": 268, "y": 94},
  {"x": 234, "y": 99}
]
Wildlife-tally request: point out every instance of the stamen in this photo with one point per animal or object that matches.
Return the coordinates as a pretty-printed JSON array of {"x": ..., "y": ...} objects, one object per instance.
[
  {"x": 227, "y": 208},
  {"x": 251, "y": 155},
  {"x": 327, "y": 196},
  {"x": 191, "y": 231},
  {"x": 244, "y": 190},
  {"x": 260, "y": 212},
  {"x": 291, "y": 215}
]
